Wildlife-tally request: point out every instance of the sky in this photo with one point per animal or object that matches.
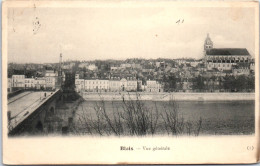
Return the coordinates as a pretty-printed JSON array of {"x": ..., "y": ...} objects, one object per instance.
[{"x": 39, "y": 35}]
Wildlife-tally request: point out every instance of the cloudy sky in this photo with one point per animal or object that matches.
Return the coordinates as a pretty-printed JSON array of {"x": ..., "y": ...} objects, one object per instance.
[{"x": 120, "y": 33}]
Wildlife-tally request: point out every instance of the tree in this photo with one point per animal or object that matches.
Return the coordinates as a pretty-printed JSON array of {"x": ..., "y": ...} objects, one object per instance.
[
  {"x": 165, "y": 82},
  {"x": 251, "y": 83},
  {"x": 229, "y": 83},
  {"x": 170, "y": 82},
  {"x": 198, "y": 83},
  {"x": 241, "y": 83},
  {"x": 70, "y": 80},
  {"x": 84, "y": 69}
]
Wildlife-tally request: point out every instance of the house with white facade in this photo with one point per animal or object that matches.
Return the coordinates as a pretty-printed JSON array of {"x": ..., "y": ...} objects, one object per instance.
[
  {"x": 153, "y": 86},
  {"x": 51, "y": 79},
  {"x": 131, "y": 84},
  {"x": 114, "y": 84},
  {"x": 18, "y": 81},
  {"x": 29, "y": 83},
  {"x": 40, "y": 83},
  {"x": 96, "y": 85},
  {"x": 123, "y": 84}
]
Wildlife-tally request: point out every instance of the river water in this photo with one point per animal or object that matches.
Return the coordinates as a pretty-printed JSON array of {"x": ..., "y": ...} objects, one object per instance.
[{"x": 218, "y": 117}]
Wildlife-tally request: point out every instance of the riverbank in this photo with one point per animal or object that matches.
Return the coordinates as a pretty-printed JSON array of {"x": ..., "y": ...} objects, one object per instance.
[{"x": 163, "y": 96}]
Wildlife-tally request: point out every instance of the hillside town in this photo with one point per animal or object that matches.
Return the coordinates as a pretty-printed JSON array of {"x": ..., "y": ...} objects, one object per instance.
[{"x": 219, "y": 70}]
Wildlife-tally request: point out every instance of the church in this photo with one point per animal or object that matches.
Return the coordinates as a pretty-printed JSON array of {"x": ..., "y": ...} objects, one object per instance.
[{"x": 223, "y": 58}]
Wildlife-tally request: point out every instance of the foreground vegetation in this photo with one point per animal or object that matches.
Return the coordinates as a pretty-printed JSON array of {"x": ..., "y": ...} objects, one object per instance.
[{"x": 134, "y": 118}]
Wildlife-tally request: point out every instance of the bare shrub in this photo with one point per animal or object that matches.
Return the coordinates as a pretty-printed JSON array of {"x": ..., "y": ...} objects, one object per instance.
[
  {"x": 199, "y": 123},
  {"x": 139, "y": 119},
  {"x": 175, "y": 124},
  {"x": 133, "y": 117},
  {"x": 113, "y": 123},
  {"x": 86, "y": 125},
  {"x": 170, "y": 115}
]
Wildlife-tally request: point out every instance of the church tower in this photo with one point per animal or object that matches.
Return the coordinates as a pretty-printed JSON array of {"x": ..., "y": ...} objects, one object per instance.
[{"x": 208, "y": 43}]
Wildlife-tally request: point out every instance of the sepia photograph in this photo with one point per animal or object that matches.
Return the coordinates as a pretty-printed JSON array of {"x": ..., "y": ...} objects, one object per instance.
[{"x": 128, "y": 70}]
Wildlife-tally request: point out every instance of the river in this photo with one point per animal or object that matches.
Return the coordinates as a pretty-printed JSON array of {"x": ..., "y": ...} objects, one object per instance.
[{"x": 217, "y": 117}]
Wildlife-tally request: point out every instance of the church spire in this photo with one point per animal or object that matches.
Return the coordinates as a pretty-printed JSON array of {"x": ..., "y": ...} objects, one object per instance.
[{"x": 208, "y": 43}]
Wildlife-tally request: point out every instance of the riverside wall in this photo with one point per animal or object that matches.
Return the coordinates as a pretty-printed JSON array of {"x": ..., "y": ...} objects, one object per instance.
[{"x": 163, "y": 96}]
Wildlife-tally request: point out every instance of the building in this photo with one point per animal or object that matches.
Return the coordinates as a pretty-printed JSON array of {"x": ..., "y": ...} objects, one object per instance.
[
  {"x": 18, "y": 82},
  {"x": 180, "y": 61},
  {"x": 51, "y": 79},
  {"x": 160, "y": 64},
  {"x": 114, "y": 84},
  {"x": 153, "y": 86},
  {"x": 96, "y": 85},
  {"x": 208, "y": 44},
  {"x": 40, "y": 83},
  {"x": 223, "y": 58},
  {"x": 123, "y": 84},
  {"x": 83, "y": 65},
  {"x": 194, "y": 63},
  {"x": 131, "y": 84},
  {"x": 241, "y": 69},
  {"x": 29, "y": 83},
  {"x": 80, "y": 85},
  {"x": 115, "y": 68},
  {"x": 126, "y": 65},
  {"x": 92, "y": 67}
]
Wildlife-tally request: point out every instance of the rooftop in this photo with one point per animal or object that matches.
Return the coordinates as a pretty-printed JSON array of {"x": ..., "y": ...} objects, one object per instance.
[{"x": 227, "y": 51}]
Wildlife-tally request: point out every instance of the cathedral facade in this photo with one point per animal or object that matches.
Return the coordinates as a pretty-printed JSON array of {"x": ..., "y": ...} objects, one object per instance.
[{"x": 224, "y": 58}]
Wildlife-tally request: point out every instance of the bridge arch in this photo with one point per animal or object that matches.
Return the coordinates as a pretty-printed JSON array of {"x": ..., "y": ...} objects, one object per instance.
[
  {"x": 52, "y": 111},
  {"x": 39, "y": 126}
]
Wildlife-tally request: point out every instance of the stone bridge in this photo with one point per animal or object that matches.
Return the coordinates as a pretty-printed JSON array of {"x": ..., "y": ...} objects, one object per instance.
[{"x": 33, "y": 113}]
